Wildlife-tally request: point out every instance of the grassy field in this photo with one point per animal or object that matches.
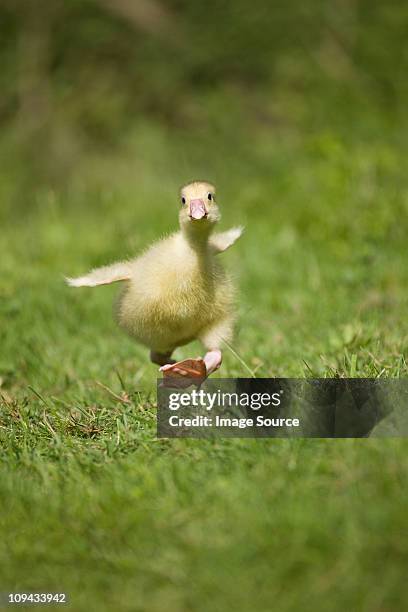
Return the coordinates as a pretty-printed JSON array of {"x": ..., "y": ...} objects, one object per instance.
[{"x": 91, "y": 503}]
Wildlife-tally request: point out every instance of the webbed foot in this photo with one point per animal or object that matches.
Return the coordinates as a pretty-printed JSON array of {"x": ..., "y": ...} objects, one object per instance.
[
  {"x": 183, "y": 373},
  {"x": 191, "y": 371}
]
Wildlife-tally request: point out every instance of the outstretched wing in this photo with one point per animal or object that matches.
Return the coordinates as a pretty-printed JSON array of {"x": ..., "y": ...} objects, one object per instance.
[
  {"x": 222, "y": 242},
  {"x": 103, "y": 276}
]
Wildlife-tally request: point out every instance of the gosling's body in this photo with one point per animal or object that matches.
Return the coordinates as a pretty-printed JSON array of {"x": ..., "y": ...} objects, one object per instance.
[
  {"x": 175, "y": 294},
  {"x": 177, "y": 291}
]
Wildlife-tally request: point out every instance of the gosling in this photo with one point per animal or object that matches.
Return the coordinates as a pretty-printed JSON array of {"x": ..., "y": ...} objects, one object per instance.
[{"x": 177, "y": 291}]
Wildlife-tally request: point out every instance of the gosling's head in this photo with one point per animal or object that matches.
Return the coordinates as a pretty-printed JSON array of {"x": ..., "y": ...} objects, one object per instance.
[{"x": 199, "y": 211}]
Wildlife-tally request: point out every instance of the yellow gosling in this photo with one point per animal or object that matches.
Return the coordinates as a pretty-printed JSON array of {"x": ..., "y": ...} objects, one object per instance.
[{"x": 177, "y": 291}]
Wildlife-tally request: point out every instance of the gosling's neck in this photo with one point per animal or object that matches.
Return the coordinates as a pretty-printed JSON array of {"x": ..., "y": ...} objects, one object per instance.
[{"x": 197, "y": 238}]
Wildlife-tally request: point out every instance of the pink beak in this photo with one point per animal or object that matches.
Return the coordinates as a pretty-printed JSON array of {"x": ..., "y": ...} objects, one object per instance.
[{"x": 197, "y": 209}]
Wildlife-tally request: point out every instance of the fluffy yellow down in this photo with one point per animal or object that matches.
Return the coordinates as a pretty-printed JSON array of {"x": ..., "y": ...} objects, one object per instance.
[{"x": 175, "y": 294}]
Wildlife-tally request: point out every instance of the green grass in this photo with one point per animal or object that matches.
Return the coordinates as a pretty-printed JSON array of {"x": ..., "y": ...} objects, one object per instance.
[{"x": 91, "y": 503}]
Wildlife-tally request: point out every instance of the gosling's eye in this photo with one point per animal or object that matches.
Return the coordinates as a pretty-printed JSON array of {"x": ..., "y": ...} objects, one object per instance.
[
  {"x": 183, "y": 200},
  {"x": 210, "y": 196}
]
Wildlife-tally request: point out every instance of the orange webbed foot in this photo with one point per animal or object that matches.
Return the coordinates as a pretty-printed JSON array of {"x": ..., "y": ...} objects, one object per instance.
[{"x": 184, "y": 373}]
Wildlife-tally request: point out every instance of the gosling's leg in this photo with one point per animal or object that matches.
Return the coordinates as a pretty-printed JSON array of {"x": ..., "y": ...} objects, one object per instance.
[
  {"x": 212, "y": 338},
  {"x": 201, "y": 368},
  {"x": 213, "y": 360},
  {"x": 161, "y": 358}
]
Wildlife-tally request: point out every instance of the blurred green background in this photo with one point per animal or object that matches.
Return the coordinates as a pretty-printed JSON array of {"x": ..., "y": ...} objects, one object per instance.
[
  {"x": 297, "y": 112},
  {"x": 101, "y": 77}
]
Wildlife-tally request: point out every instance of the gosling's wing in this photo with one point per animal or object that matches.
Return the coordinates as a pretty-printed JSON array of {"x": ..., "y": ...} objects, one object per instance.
[
  {"x": 103, "y": 276},
  {"x": 222, "y": 242}
]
